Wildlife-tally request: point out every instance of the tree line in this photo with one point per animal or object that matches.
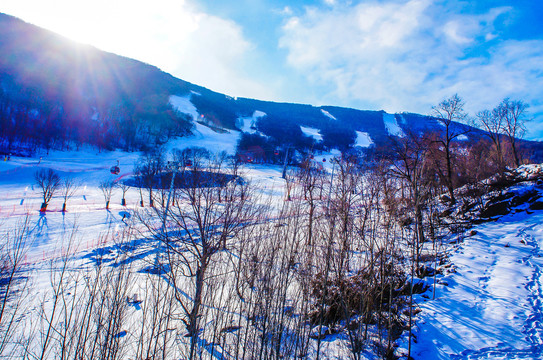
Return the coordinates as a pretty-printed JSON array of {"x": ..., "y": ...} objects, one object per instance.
[{"x": 38, "y": 123}]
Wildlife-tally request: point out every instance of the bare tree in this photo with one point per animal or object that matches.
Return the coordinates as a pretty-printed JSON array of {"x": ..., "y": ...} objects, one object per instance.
[
  {"x": 493, "y": 124},
  {"x": 409, "y": 167},
  {"x": 272, "y": 286},
  {"x": 346, "y": 193},
  {"x": 158, "y": 305},
  {"x": 83, "y": 313},
  {"x": 148, "y": 169},
  {"x": 448, "y": 112},
  {"x": 49, "y": 182},
  {"x": 514, "y": 115},
  {"x": 124, "y": 188},
  {"x": 50, "y": 314},
  {"x": 311, "y": 177},
  {"x": 204, "y": 228},
  {"x": 107, "y": 190},
  {"x": 68, "y": 189}
]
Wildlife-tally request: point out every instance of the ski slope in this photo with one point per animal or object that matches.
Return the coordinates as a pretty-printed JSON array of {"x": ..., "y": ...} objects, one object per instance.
[
  {"x": 392, "y": 126},
  {"x": 363, "y": 139},
  {"x": 311, "y": 132}
]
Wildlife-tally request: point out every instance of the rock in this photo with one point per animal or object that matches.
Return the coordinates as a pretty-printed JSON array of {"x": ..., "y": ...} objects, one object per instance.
[
  {"x": 537, "y": 205},
  {"x": 468, "y": 206},
  {"x": 503, "y": 196},
  {"x": 496, "y": 209},
  {"x": 528, "y": 197},
  {"x": 420, "y": 287},
  {"x": 315, "y": 334},
  {"x": 425, "y": 270}
]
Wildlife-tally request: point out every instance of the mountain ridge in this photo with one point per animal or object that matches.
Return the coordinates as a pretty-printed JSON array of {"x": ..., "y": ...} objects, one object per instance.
[{"x": 55, "y": 91}]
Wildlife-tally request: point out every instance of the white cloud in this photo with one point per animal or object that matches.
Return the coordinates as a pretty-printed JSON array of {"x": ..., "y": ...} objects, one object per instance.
[
  {"x": 214, "y": 55},
  {"x": 453, "y": 30},
  {"x": 286, "y": 11},
  {"x": 409, "y": 55}
]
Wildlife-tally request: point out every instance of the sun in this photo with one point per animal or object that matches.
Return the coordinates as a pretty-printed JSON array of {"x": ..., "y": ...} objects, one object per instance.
[{"x": 133, "y": 28}]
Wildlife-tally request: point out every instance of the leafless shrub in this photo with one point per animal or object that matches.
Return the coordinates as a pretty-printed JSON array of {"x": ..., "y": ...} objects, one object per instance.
[{"x": 14, "y": 287}]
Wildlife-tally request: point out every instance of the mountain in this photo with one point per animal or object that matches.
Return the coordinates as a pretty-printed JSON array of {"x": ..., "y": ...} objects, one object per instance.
[{"x": 55, "y": 93}]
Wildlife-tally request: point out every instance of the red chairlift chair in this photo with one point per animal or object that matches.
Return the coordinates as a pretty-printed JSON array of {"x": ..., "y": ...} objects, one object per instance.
[{"x": 115, "y": 170}]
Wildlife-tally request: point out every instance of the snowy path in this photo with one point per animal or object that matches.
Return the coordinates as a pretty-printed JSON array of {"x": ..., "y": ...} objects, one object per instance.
[{"x": 492, "y": 306}]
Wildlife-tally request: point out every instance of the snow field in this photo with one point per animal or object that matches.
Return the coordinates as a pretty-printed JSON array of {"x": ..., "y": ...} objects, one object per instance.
[
  {"x": 363, "y": 139},
  {"x": 311, "y": 132},
  {"x": 392, "y": 126},
  {"x": 248, "y": 123},
  {"x": 98, "y": 238},
  {"x": 328, "y": 115},
  {"x": 490, "y": 307},
  {"x": 98, "y": 234}
]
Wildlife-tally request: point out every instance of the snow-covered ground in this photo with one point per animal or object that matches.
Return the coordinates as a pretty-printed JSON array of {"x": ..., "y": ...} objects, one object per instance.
[
  {"x": 97, "y": 230},
  {"x": 312, "y": 132},
  {"x": 392, "y": 126},
  {"x": 363, "y": 139},
  {"x": 248, "y": 124},
  {"x": 490, "y": 306},
  {"x": 184, "y": 105},
  {"x": 204, "y": 136},
  {"x": 328, "y": 115},
  {"x": 20, "y": 197}
]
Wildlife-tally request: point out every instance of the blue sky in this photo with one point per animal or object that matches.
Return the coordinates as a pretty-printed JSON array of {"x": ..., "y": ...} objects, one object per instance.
[{"x": 385, "y": 54}]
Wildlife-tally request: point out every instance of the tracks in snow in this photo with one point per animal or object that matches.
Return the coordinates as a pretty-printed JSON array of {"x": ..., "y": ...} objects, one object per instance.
[{"x": 533, "y": 326}]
